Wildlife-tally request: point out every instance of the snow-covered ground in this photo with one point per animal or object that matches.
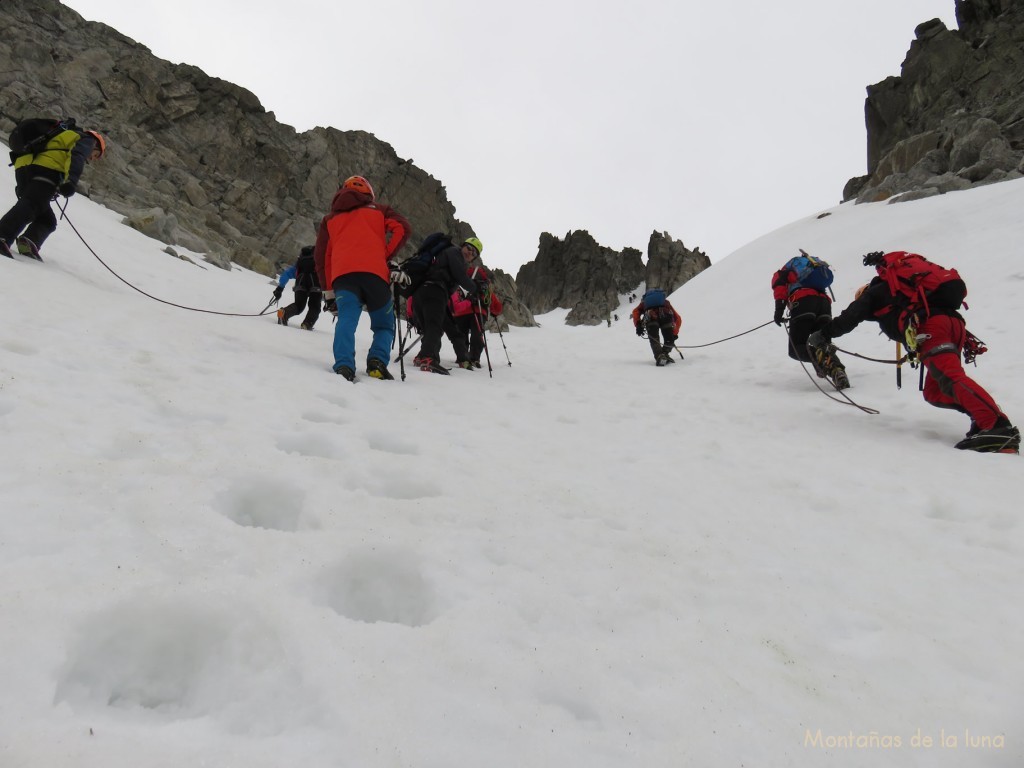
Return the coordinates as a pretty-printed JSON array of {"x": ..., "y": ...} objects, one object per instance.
[{"x": 215, "y": 552}]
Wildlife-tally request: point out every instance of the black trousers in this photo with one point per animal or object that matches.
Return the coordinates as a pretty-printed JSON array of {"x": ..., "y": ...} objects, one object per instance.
[
  {"x": 465, "y": 332},
  {"x": 31, "y": 215},
  {"x": 652, "y": 336},
  {"x": 296, "y": 307},
  {"x": 660, "y": 324},
  {"x": 429, "y": 309},
  {"x": 806, "y": 315}
]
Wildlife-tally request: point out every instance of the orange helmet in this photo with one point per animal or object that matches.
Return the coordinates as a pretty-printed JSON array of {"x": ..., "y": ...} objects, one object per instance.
[
  {"x": 359, "y": 184},
  {"x": 101, "y": 143}
]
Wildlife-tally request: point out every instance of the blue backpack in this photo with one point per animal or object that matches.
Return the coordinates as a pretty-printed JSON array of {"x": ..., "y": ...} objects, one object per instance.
[
  {"x": 810, "y": 273},
  {"x": 654, "y": 298}
]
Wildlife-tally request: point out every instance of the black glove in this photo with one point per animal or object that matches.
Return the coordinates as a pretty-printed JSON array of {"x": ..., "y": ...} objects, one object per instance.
[
  {"x": 639, "y": 329},
  {"x": 780, "y": 309},
  {"x": 330, "y": 306},
  {"x": 67, "y": 188},
  {"x": 277, "y": 293}
]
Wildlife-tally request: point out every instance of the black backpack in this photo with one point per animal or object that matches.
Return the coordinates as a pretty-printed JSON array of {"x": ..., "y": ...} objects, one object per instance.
[
  {"x": 305, "y": 271},
  {"x": 419, "y": 264},
  {"x": 30, "y": 136}
]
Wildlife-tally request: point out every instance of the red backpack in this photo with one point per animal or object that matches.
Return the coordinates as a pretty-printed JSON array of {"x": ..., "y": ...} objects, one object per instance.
[{"x": 920, "y": 285}]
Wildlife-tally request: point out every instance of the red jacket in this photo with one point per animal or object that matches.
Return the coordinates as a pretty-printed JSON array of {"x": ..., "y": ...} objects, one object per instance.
[{"x": 358, "y": 235}]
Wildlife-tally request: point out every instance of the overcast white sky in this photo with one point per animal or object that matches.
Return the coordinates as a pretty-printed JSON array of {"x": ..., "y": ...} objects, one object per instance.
[{"x": 714, "y": 121}]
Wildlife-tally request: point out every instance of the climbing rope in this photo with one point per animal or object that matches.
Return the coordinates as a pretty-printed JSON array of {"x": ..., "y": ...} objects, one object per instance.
[
  {"x": 727, "y": 338},
  {"x": 64, "y": 216}
]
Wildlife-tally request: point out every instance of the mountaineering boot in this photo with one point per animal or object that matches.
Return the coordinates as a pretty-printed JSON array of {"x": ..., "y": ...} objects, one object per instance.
[
  {"x": 465, "y": 364},
  {"x": 995, "y": 440},
  {"x": 476, "y": 363},
  {"x": 5, "y": 249},
  {"x": 344, "y": 370},
  {"x": 418, "y": 360},
  {"x": 827, "y": 366},
  {"x": 375, "y": 369},
  {"x": 428, "y": 365},
  {"x": 669, "y": 350},
  {"x": 975, "y": 429},
  {"x": 306, "y": 326},
  {"x": 282, "y": 319},
  {"x": 839, "y": 378},
  {"x": 662, "y": 360},
  {"x": 27, "y": 248}
]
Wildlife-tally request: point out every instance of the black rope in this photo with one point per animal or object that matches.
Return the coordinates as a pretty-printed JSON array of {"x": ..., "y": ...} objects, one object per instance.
[
  {"x": 727, "y": 338},
  {"x": 64, "y": 216}
]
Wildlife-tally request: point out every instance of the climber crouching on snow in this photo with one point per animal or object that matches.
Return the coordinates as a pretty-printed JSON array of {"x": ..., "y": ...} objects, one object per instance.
[{"x": 656, "y": 317}]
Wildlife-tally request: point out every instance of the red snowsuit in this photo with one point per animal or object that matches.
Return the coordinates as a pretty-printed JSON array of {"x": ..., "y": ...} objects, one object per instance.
[{"x": 940, "y": 342}]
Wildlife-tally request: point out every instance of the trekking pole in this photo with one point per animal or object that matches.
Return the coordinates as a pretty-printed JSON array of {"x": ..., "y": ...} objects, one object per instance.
[
  {"x": 899, "y": 367},
  {"x": 497, "y": 324},
  {"x": 401, "y": 337},
  {"x": 411, "y": 346},
  {"x": 480, "y": 330}
]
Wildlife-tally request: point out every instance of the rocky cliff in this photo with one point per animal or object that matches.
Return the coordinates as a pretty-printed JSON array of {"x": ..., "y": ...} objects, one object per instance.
[
  {"x": 587, "y": 278},
  {"x": 194, "y": 160},
  {"x": 954, "y": 118}
]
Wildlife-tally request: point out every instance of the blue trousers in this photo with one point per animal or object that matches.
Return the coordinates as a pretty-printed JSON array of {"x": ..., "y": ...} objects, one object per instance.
[{"x": 351, "y": 293}]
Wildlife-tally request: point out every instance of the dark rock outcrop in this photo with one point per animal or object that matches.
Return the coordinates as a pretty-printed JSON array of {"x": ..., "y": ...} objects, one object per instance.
[
  {"x": 588, "y": 279},
  {"x": 670, "y": 263},
  {"x": 578, "y": 274},
  {"x": 954, "y": 118},
  {"x": 514, "y": 311}
]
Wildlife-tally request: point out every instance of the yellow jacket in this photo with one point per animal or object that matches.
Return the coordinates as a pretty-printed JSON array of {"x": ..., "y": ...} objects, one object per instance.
[{"x": 56, "y": 155}]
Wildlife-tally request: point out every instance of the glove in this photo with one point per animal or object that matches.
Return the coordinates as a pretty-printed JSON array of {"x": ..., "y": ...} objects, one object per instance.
[
  {"x": 277, "y": 294},
  {"x": 639, "y": 329},
  {"x": 400, "y": 278},
  {"x": 67, "y": 188},
  {"x": 780, "y": 308},
  {"x": 330, "y": 305}
]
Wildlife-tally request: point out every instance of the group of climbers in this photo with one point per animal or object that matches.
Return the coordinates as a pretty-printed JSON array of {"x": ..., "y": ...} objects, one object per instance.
[
  {"x": 352, "y": 264},
  {"x": 916, "y": 303}
]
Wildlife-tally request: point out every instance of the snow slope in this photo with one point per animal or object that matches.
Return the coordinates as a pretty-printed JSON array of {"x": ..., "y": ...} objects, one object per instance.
[{"x": 215, "y": 552}]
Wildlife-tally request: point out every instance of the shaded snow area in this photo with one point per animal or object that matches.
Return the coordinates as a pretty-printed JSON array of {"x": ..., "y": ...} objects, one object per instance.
[{"x": 216, "y": 552}]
